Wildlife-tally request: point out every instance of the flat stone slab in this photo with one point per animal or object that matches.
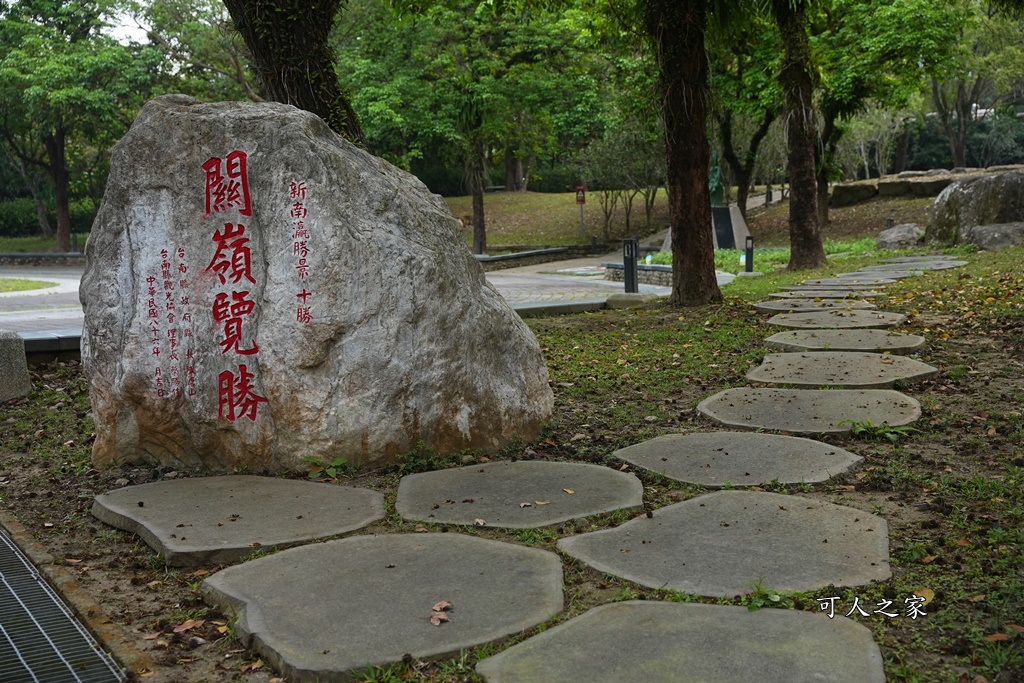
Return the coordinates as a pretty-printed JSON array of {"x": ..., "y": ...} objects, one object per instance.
[
  {"x": 15, "y": 381},
  {"x": 917, "y": 265},
  {"x": 665, "y": 642},
  {"x": 316, "y": 612},
  {"x": 809, "y": 411},
  {"x": 948, "y": 261},
  {"x": 815, "y": 304},
  {"x": 850, "y": 369},
  {"x": 516, "y": 495},
  {"x": 837, "y": 293},
  {"x": 891, "y": 274},
  {"x": 714, "y": 459},
  {"x": 850, "y": 282},
  {"x": 847, "y": 340},
  {"x": 837, "y": 319},
  {"x": 215, "y": 520},
  {"x": 721, "y": 543}
]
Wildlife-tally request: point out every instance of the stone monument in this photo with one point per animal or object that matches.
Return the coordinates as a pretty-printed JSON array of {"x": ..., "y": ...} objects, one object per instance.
[{"x": 258, "y": 290}]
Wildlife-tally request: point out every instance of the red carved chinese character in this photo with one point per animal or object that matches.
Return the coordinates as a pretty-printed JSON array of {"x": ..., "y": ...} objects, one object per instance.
[
  {"x": 303, "y": 295},
  {"x": 239, "y": 264},
  {"x": 300, "y": 249},
  {"x": 298, "y": 210},
  {"x": 236, "y": 397},
  {"x": 302, "y": 314},
  {"x": 224, "y": 193},
  {"x": 231, "y": 316},
  {"x": 297, "y": 190}
]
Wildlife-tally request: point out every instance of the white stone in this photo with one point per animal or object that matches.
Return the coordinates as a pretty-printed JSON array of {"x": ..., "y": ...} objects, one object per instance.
[{"x": 364, "y": 324}]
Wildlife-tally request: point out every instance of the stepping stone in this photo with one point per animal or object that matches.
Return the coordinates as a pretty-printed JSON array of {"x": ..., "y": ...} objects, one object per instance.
[
  {"x": 803, "y": 304},
  {"x": 892, "y": 274},
  {"x": 516, "y": 495},
  {"x": 847, "y": 282},
  {"x": 937, "y": 258},
  {"x": 665, "y": 642},
  {"x": 720, "y": 544},
  {"x": 714, "y": 459},
  {"x": 809, "y": 411},
  {"x": 216, "y": 520},
  {"x": 316, "y": 612},
  {"x": 828, "y": 294},
  {"x": 847, "y": 340},
  {"x": 838, "y": 319},
  {"x": 850, "y": 369},
  {"x": 918, "y": 265}
]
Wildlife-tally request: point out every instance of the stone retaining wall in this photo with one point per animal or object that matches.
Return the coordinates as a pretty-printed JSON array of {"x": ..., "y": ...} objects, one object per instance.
[
  {"x": 645, "y": 274},
  {"x": 69, "y": 259}
]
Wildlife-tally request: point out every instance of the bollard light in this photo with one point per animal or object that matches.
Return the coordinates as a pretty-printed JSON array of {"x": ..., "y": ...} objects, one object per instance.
[
  {"x": 630, "y": 251},
  {"x": 889, "y": 222},
  {"x": 749, "y": 248}
]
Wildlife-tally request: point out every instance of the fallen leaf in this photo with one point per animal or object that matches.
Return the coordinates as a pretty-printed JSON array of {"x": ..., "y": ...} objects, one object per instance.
[
  {"x": 929, "y": 559},
  {"x": 47, "y": 525},
  {"x": 153, "y": 636},
  {"x": 542, "y": 502},
  {"x": 1017, "y": 627},
  {"x": 963, "y": 541},
  {"x": 389, "y": 565},
  {"x": 257, "y": 664},
  {"x": 189, "y": 624},
  {"x": 420, "y": 529},
  {"x": 198, "y": 572},
  {"x": 525, "y": 505},
  {"x": 479, "y": 522},
  {"x": 977, "y": 598},
  {"x": 71, "y": 560},
  {"x": 437, "y": 617},
  {"x": 569, "y": 491},
  {"x": 847, "y": 487},
  {"x": 550, "y": 442},
  {"x": 996, "y": 637},
  {"x": 927, "y": 593},
  {"x": 441, "y": 606},
  {"x": 483, "y": 458},
  {"x": 151, "y": 584}
]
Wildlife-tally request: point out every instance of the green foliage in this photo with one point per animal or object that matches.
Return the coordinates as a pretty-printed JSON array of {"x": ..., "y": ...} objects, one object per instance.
[
  {"x": 18, "y": 218},
  {"x": 331, "y": 469},
  {"x": 869, "y": 430},
  {"x": 762, "y": 596}
]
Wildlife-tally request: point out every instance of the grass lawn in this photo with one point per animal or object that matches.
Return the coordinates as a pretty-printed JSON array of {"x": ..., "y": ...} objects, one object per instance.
[
  {"x": 35, "y": 245},
  {"x": 11, "y": 285}
]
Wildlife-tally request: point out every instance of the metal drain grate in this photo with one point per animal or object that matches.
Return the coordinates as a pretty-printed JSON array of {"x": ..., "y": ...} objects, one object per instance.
[{"x": 41, "y": 641}]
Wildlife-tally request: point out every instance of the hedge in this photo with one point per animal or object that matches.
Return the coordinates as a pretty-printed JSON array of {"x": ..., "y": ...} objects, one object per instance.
[{"x": 18, "y": 218}]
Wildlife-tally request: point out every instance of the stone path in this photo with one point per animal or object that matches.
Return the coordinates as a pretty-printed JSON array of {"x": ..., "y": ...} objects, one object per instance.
[
  {"x": 847, "y": 340},
  {"x": 663, "y": 642},
  {"x": 516, "y": 495},
  {"x": 850, "y": 369},
  {"x": 214, "y": 520},
  {"x": 837, "y": 319},
  {"x": 803, "y": 304},
  {"x": 716, "y": 459},
  {"x": 319, "y": 611}
]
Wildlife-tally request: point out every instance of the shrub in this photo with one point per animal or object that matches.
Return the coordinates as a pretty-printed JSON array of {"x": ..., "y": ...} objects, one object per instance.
[{"x": 18, "y": 218}]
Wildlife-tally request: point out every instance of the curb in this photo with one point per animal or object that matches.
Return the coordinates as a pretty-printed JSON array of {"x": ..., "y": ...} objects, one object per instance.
[{"x": 89, "y": 612}]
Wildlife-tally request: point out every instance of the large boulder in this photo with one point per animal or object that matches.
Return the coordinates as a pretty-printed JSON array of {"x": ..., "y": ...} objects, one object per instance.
[
  {"x": 998, "y": 236},
  {"x": 848, "y": 194},
  {"x": 974, "y": 201},
  {"x": 901, "y": 236},
  {"x": 259, "y": 291}
]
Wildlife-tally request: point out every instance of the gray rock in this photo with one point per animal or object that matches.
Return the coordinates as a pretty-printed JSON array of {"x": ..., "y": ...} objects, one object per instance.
[
  {"x": 924, "y": 265},
  {"x": 197, "y": 342},
  {"x": 722, "y": 543},
  {"x": 664, "y": 642},
  {"x": 837, "y": 319},
  {"x": 15, "y": 381},
  {"x": 817, "y": 304},
  {"x": 893, "y": 187},
  {"x": 851, "y": 369},
  {"x": 714, "y": 459},
  {"x": 903, "y": 236},
  {"x": 974, "y": 201},
  {"x": 848, "y": 194},
  {"x": 809, "y": 411},
  {"x": 847, "y": 340},
  {"x": 317, "y": 612},
  {"x": 516, "y": 495},
  {"x": 847, "y": 282},
  {"x": 215, "y": 520},
  {"x": 999, "y": 236}
]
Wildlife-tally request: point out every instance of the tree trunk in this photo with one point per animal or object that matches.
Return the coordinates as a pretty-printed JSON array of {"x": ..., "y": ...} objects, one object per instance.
[
  {"x": 510, "y": 170},
  {"x": 293, "y": 60},
  {"x": 825, "y": 149},
  {"x": 804, "y": 230},
  {"x": 476, "y": 173},
  {"x": 743, "y": 170},
  {"x": 58, "y": 170},
  {"x": 677, "y": 28}
]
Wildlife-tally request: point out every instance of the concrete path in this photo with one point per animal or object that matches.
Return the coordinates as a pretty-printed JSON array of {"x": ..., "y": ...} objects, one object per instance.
[
  {"x": 878, "y": 341},
  {"x": 722, "y": 543},
  {"x": 838, "y": 293},
  {"x": 850, "y": 369},
  {"x": 516, "y": 495},
  {"x": 809, "y": 411},
  {"x": 837, "y": 319},
  {"x": 214, "y": 520},
  {"x": 796, "y": 304},
  {"x": 662, "y": 642},
  {"x": 716, "y": 459},
  {"x": 316, "y": 612}
]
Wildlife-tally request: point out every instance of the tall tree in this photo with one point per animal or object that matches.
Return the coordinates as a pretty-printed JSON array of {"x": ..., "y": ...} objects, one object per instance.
[
  {"x": 677, "y": 30},
  {"x": 806, "y": 250},
  {"x": 63, "y": 81},
  {"x": 289, "y": 41}
]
